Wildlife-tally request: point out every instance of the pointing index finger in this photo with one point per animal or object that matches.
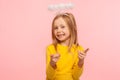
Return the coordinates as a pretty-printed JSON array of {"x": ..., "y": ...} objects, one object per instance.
[{"x": 86, "y": 50}]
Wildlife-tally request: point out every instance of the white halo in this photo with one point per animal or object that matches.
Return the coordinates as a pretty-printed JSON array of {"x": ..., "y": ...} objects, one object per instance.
[{"x": 60, "y": 6}]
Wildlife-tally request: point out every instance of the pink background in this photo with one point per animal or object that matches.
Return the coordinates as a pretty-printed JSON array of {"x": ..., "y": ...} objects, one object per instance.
[{"x": 25, "y": 31}]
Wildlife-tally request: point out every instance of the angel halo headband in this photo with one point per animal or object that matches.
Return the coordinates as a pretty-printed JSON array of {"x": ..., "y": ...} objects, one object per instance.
[{"x": 60, "y": 8}]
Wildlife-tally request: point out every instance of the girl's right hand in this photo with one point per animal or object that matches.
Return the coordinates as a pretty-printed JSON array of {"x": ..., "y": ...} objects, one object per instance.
[{"x": 54, "y": 59}]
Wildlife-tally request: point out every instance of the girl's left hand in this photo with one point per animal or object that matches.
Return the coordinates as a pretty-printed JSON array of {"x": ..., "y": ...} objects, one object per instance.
[{"x": 82, "y": 56}]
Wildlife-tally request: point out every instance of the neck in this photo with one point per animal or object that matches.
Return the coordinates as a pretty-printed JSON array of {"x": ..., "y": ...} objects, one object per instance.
[{"x": 65, "y": 43}]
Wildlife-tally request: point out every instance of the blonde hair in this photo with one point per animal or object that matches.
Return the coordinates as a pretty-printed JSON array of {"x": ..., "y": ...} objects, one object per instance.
[{"x": 70, "y": 20}]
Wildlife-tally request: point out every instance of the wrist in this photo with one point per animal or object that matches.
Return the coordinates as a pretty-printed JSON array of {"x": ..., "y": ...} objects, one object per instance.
[
  {"x": 53, "y": 64},
  {"x": 80, "y": 62}
]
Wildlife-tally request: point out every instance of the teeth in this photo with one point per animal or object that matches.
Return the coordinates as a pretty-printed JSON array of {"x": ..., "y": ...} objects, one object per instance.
[{"x": 60, "y": 35}]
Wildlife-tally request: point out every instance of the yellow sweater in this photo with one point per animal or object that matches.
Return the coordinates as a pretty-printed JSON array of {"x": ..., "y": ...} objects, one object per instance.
[{"x": 67, "y": 67}]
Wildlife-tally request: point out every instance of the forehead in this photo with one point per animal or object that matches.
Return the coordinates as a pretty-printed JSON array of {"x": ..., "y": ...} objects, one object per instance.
[{"x": 60, "y": 21}]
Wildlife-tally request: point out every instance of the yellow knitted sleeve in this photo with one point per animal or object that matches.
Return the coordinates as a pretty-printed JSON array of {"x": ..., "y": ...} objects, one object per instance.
[
  {"x": 50, "y": 72},
  {"x": 77, "y": 71}
]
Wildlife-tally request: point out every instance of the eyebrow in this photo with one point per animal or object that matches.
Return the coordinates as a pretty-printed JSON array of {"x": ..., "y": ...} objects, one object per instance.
[{"x": 60, "y": 25}]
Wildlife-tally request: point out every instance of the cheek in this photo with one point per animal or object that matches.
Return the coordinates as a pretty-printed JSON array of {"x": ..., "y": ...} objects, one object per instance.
[
  {"x": 55, "y": 32},
  {"x": 67, "y": 31}
]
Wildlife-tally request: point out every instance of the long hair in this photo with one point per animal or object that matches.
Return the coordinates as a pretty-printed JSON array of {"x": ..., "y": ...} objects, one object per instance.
[{"x": 70, "y": 20}]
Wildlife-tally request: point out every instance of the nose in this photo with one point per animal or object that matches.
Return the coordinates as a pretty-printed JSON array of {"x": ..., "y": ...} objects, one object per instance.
[{"x": 59, "y": 29}]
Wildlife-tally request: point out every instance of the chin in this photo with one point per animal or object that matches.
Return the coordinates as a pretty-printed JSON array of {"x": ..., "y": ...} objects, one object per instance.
[{"x": 62, "y": 40}]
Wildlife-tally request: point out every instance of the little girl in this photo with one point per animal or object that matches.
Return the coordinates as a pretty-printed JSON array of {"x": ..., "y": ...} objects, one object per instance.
[{"x": 64, "y": 57}]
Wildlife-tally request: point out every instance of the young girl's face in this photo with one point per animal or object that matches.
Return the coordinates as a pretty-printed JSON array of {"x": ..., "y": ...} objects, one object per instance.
[{"x": 61, "y": 30}]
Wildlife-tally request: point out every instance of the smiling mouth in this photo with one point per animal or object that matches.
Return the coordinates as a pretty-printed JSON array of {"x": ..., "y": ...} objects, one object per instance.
[{"x": 60, "y": 35}]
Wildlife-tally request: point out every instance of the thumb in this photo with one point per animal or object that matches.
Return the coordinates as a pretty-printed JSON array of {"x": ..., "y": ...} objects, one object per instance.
[{"x": 51, "y": 55}]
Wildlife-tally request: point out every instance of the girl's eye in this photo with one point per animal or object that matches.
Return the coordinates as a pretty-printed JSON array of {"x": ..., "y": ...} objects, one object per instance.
[
  {"x": 62, "y": 26},
  {"x": 55, "y": 28}
]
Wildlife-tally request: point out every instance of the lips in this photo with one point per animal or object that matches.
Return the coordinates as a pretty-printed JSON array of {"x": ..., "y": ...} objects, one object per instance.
[{"x": 60, "y": 35}]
